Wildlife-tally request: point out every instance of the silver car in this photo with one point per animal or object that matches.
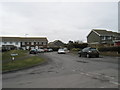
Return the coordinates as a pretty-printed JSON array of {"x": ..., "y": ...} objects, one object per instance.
[{"x": 61, "y": 51}]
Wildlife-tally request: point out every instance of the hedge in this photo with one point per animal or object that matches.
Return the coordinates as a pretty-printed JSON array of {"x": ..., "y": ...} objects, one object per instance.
[{"x": 111, "y": 49}]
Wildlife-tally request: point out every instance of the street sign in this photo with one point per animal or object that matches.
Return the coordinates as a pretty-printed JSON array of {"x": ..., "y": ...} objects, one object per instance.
[{"x": 14, "y": 54}]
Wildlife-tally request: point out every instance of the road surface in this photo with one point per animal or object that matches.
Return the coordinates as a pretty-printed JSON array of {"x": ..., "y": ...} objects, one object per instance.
[{"x": 66, "y": 71}]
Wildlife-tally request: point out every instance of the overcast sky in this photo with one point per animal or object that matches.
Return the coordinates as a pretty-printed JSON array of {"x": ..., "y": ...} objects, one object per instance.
[{"x": 57, "y": 20}]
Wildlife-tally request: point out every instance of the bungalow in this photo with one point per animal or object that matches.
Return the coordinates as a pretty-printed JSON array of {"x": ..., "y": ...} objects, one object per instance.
[{"x": 97, "y": 36}]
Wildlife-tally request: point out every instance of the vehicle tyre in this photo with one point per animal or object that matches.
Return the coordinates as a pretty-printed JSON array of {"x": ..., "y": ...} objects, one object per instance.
[
  {"x": 97, "y": 56},
  {"x": 88, "y": 56},
  {"x": 80, "y": 55}
]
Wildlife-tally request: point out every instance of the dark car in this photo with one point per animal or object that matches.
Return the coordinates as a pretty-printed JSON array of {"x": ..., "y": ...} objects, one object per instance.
[
  {"x": 33, "y": 51},
  {"x": 89, "y": 52}
]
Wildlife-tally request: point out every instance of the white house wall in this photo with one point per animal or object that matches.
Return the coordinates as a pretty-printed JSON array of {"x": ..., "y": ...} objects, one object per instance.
[{"x": 13, "y": 43}]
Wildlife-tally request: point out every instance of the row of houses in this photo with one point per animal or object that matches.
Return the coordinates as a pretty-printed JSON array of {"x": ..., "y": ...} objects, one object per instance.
[
  {"x": 23, "y": 42},
  {"x": 95, "y": 37}
]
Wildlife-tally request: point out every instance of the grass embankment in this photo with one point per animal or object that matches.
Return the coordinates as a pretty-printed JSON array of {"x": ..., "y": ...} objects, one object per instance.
[
  {"x": 20, "y": 62},
  {"x": 6, "y": 56}
]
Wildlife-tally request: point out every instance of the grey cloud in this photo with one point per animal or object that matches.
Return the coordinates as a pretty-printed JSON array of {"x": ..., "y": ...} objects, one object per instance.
[{"x": 59, "y": 20}]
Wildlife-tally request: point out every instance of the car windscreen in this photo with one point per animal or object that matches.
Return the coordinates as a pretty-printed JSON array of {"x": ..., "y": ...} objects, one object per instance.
[
  {"x": 93, "y": 49},
  {"x": 61, "y": 49}
]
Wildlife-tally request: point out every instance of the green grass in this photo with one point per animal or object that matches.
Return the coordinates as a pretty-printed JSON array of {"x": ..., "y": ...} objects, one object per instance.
[
  {"x": 19, "y": 64},
  {"x": 7, "y": 55}
]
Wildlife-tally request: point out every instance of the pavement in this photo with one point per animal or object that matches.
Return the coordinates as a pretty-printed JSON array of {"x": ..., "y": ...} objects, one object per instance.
[{"x": 66, "y": 71}]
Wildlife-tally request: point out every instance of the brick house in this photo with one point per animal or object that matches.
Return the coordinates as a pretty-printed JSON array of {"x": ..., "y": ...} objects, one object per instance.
[
  {"x": 103, "y": 37},
  {"x": 24, "y": 42}
]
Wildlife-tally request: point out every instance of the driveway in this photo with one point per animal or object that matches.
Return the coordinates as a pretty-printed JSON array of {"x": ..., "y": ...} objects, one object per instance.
[{"x": 67, "y": 71}]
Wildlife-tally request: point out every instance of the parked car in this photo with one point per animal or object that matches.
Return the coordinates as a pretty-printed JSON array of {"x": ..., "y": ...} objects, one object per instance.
[
  {"x": 40, "y": 50},
  {"x": 45, "y": 50},
  {"x": 33, "y": 51},
  {"x": 89, "y": 52},
  {"x": 61, "y": 51},
  {"x": 66, "y": 50},
  {"x": 50, "y": 50}
]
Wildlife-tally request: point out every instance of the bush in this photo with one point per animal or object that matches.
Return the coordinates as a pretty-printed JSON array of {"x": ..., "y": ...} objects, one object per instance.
[
  {"x": 55, "y": 48},
  {"x": 111, "y": 49},
  {"x": 75, "y": 49},
  {"x": 77, "y": 45}
]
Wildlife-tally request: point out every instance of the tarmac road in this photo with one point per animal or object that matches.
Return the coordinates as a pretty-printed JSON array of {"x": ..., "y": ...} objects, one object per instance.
[{"x": 66, "y": 71}]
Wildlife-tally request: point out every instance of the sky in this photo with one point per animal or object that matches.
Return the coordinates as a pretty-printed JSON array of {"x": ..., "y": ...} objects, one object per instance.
[{"x": 57, "y": 20}]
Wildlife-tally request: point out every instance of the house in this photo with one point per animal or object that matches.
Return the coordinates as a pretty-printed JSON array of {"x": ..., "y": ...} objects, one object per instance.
[
  {"x": 23, "y": 42},
  {"x": 97, "y": 36},
  {"x": 56, "y": 43}
]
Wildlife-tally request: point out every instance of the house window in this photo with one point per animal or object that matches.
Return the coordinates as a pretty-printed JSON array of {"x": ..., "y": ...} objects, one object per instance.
[
  {"x": 103, "y": 38},
  {"x": 109, "y": 37},
  {"x": 5, "y": 42},
  {"x": 23, "y": 43},
  {"x": 42, "y": 43},
  {"x": 32, "y": 43},
  {"x": 16, "y": 43},
  {"x": 27, "y": 42},
  {"x": 10, "y": 42}
]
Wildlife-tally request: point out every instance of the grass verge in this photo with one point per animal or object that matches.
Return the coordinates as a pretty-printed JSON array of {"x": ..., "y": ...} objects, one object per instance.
[
  {"x": 20, "y": 64},
  {"x": 7, "y": 55}
]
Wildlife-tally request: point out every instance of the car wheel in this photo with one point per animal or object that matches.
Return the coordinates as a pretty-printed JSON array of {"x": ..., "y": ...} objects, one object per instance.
[
  {"x": 80, "y": 55},
  {"x": 97, "y": 56},
  {"x": 88, "y": 56}
]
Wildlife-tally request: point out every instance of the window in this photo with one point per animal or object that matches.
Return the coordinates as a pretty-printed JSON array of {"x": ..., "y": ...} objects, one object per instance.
[
  {"x": 27, "y": 42},
  {"x": 10, "y": 42},
  {"x": 23, "y": 43},
  {"x": 103, "y": 38},
  {"x": 5, "y": 42},
  {"x": 16, "y": 43},
  {"x": 109, "y": 37},
  {"x": 34, "y": 43},
  {"x": 42, "y": 43}
]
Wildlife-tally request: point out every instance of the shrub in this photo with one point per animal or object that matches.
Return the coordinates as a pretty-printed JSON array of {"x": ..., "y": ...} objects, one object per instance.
[
  {"x": 55, "y": 48},
  {"x": 75, "y": 49},
  {"x": 111, "y": 49}
]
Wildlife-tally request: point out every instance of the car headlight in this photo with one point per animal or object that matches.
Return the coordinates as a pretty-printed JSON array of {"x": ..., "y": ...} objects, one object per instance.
[{"x": 89, "y": 51}]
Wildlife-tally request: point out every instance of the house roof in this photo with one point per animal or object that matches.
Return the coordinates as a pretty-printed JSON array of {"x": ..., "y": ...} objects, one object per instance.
[
  {"x": 56, "y": 43},
  {"x": 24, "y": 38},
  {"x": 100, "y": 32},
  {"x": 105, "y": 32}
]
